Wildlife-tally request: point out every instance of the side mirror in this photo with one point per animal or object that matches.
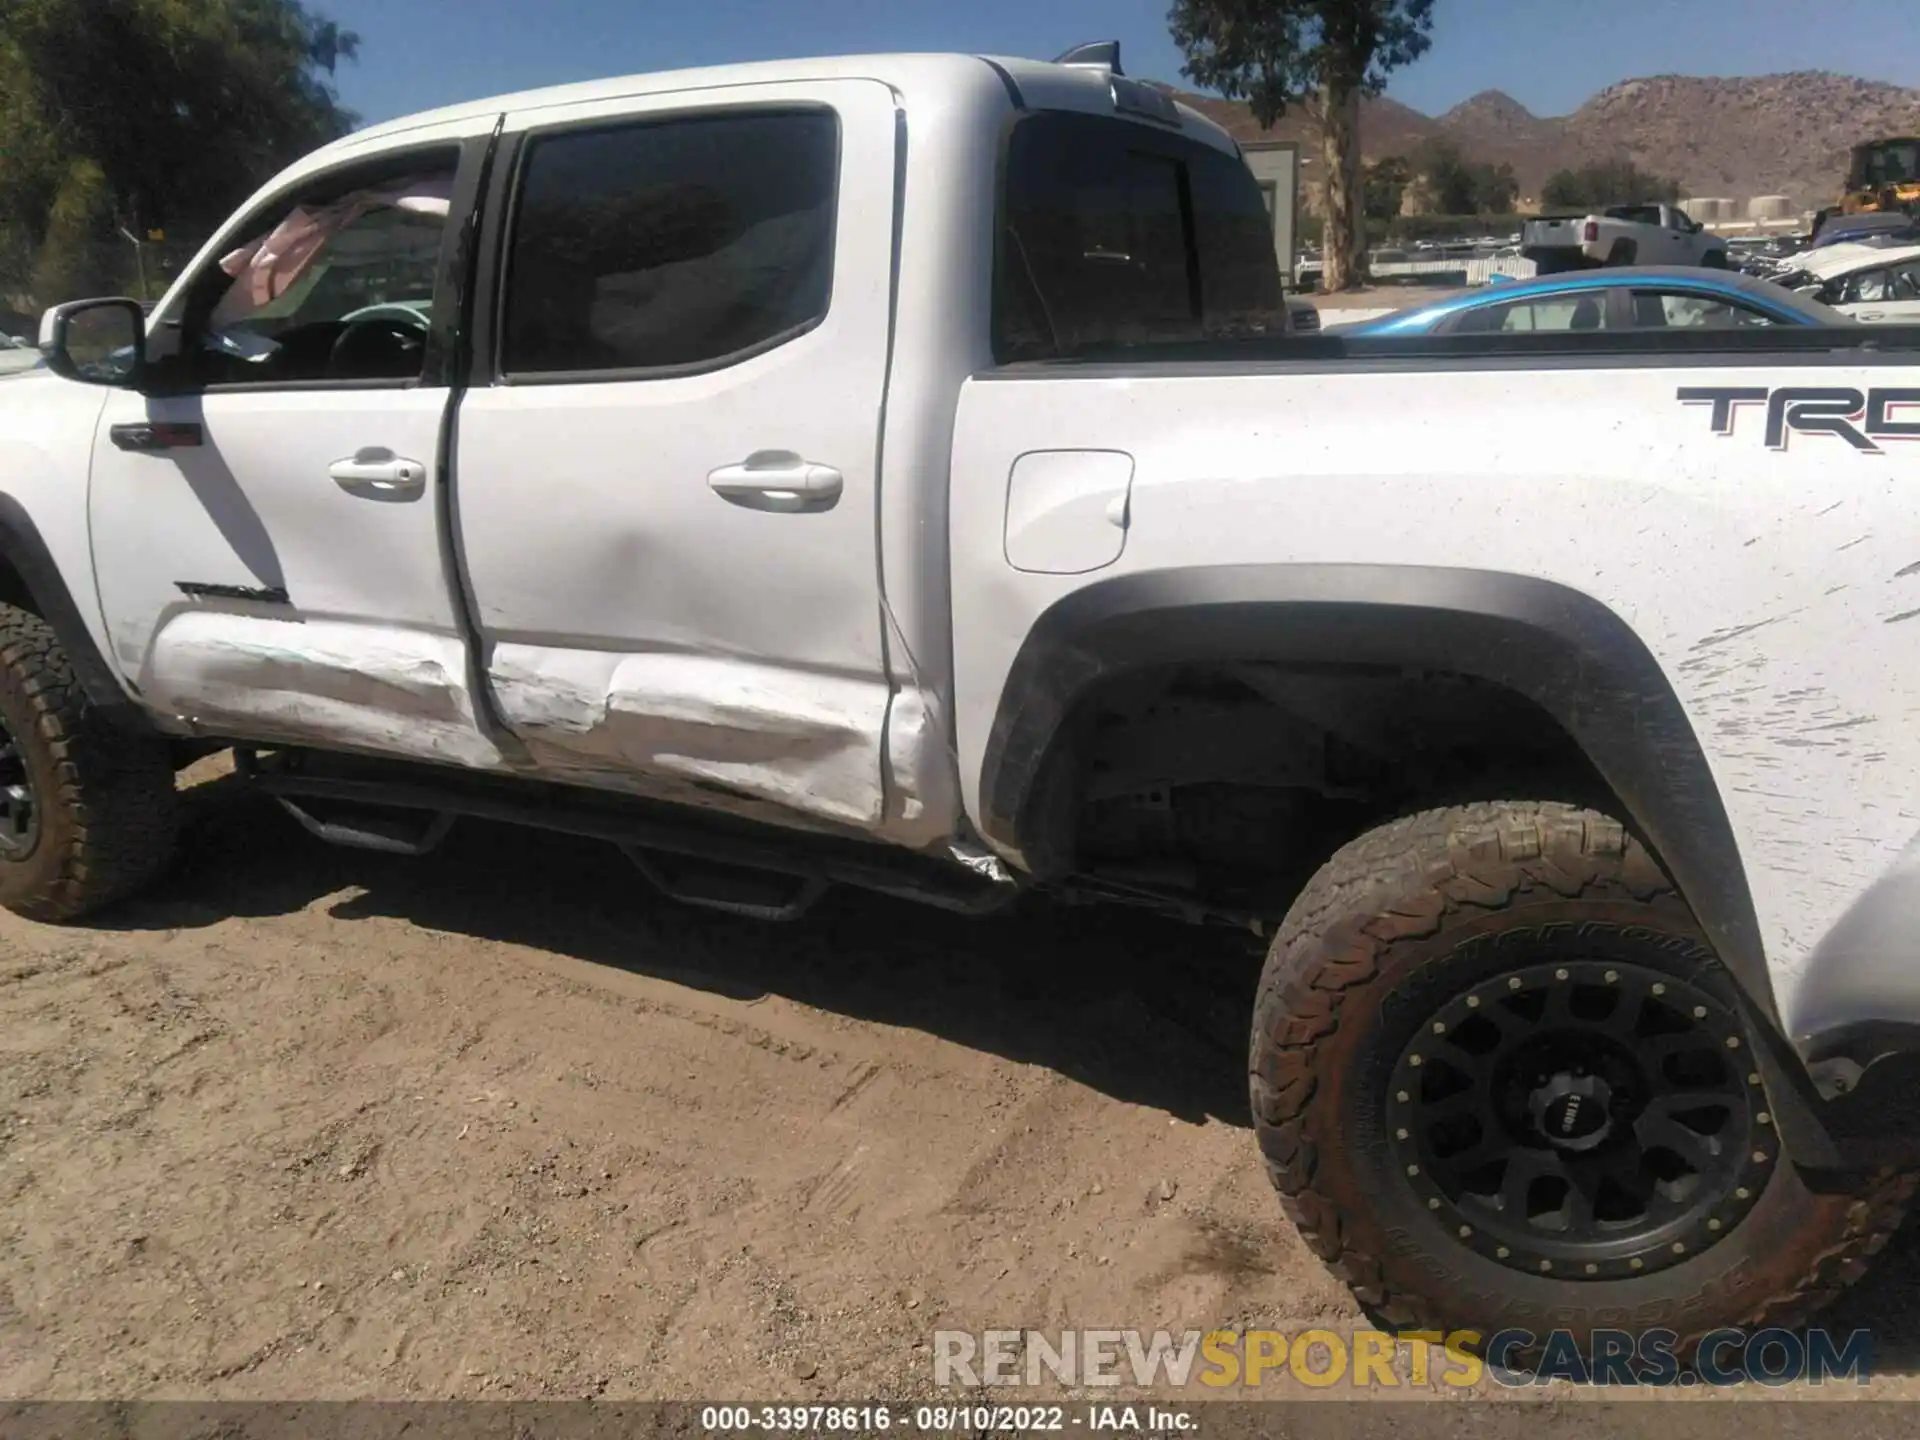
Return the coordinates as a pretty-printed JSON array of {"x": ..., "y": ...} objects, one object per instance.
[{"x": 97, "y": 342}]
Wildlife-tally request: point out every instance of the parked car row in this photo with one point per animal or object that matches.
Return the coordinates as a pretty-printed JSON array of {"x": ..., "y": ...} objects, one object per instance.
[
  {"x": 1618, "y": 298},
  {"x": 1867, "y": 282}
]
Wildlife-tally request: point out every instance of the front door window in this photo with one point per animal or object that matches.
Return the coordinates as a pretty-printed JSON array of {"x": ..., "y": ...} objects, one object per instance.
[{"x": 331, "y": 286}]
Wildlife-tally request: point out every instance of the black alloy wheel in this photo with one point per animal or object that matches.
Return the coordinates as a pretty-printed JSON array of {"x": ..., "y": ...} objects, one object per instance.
[
  {"x": 1588, "y": 1120},
  {"x": 19, "y": 805}
]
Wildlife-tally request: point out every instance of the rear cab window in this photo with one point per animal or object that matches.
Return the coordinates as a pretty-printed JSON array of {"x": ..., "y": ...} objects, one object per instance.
[{"x": 1113, "y": 232}]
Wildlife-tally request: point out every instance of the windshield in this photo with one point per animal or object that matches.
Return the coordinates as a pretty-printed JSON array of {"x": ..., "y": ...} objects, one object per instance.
[{"x": 1887, "y": 162}]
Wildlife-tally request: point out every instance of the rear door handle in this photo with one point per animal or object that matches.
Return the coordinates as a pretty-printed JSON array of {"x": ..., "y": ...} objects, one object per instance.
[
  {"x": 378, "y": 475},
  {"x": 780, "y": 481}
]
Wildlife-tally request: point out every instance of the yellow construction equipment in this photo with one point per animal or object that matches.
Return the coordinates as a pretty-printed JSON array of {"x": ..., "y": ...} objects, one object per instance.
[{"x": 1881, "y": 175}]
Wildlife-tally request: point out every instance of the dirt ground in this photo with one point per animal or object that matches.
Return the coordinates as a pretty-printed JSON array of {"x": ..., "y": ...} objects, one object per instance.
[{"x": 501, "y": 1122}]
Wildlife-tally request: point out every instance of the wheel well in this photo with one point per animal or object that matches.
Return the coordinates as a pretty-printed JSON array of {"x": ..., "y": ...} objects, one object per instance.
[
  {"x": 13, "y": 588},
  {"x": 1223, "y": 786}
]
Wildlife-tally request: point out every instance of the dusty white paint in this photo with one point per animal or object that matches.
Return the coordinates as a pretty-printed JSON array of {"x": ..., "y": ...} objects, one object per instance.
[
  {"x": 845, "y": 664},
  {"x": 804, "y": 742},
  {"x": 393, "y": 691},
  {"x": 46, "y": 428},
  {"x": 1778, "y": 589}
]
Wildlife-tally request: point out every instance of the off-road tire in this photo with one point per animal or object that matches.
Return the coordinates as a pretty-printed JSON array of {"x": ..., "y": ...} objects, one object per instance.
[
  {"x": 104, "y": 791},
  {"x": 1389, "y": 915}
]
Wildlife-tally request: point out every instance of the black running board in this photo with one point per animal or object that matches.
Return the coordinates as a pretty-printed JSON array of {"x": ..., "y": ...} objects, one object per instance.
[
  {"x": 406, "y": 833},
  {"x": 766, "y": 874}
]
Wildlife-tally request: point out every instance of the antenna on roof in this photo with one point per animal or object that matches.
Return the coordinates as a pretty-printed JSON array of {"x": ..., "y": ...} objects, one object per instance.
[{"x": 1099, "y": 55}]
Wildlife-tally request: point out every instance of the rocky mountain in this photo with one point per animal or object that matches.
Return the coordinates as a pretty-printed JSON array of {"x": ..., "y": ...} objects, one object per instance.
[
  {"x": 1764, "y": 135},
  {"x": 1777, "y": 134}
]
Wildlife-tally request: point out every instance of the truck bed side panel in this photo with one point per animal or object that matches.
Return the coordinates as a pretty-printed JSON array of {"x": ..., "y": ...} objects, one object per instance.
[{"x": 1776, "y": 584}]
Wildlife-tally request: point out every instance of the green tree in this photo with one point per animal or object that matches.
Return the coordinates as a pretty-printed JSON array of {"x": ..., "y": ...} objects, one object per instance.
[
  {"x": 1327, "y": 53},
  {"x": 148, "y": 115},
  {"x": 1383, "y": 186},
  {"x": 1495, "y": 188},
  {"x": 1447, "y": 177},
  {"x": 1459, "y": 186},
  {"x": 1607, "y": 182}
]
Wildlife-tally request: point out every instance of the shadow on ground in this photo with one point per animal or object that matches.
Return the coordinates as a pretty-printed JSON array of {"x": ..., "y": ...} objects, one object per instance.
[
  {"x": 1141, "y": 1009},
  {"x": 1886, "y": 1303},
  {"x": 1148, "y": 1012}
]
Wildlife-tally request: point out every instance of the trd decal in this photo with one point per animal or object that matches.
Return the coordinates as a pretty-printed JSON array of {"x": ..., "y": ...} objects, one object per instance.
[{"x": 1860, "y": 419}]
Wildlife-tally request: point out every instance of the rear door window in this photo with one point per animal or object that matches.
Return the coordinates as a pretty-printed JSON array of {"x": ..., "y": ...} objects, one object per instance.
[
  {"x": 661, "y": 245},
  {"x": 1114, "y": 233},
  {"x": 1527, "y": 317},
  {"x": 1677, "y": 310}
]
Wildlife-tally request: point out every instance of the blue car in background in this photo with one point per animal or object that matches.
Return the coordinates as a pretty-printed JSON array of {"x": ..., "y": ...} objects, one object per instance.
[{"x": 1618, "y": 298}]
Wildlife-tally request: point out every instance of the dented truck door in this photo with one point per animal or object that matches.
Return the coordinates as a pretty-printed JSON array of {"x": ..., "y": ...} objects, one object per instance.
[
  {"x": 667, "y": 464},
  {"x": 265, "y": 518}
]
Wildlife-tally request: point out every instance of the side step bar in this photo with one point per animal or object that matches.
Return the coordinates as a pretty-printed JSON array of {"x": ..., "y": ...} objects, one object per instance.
[{"x": 765, "y": 875}]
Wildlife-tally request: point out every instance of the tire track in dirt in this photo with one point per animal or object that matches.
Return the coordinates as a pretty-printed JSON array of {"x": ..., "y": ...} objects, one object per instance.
[{"x": 499, "y": 1122}]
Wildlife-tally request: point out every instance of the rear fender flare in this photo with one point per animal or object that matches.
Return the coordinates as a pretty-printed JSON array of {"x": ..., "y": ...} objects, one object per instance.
[{"x": 1562, "y": 649}]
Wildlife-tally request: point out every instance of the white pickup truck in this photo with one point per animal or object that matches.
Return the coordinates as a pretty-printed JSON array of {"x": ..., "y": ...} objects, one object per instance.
[
  {"x": 1620, "y": 235},
  {"x": 871, "y": 471}
]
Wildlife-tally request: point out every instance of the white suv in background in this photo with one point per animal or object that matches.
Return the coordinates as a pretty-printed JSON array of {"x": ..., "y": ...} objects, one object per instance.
[{"x": 1872, "y": 283}]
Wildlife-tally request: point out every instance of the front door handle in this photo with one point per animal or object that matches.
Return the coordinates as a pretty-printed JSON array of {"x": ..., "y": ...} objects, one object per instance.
[
  {"x": 379, "y": 475},
  {"x": 778, "y": 480}
]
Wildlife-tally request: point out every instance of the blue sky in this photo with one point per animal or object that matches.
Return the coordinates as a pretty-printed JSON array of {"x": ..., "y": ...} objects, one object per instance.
[{"x": 1548, "y": 54}]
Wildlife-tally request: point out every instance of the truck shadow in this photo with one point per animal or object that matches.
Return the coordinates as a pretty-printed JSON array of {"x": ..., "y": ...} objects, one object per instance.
[
  {"x": 1142, "y": 1009},
  {"x": 1886, "y": 1303}
]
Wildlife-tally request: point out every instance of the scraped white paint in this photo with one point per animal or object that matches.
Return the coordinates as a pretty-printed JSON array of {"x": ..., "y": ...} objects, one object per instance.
[
  {"x": 641, "y": 625},
  {"x": 923, "y": 789},
  {"x": 399, "y": 692},
  {"x": 807, "y": 742}
]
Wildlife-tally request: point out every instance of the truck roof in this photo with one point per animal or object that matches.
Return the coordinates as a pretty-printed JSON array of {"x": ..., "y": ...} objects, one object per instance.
[{"x": 1033, "y": 84}]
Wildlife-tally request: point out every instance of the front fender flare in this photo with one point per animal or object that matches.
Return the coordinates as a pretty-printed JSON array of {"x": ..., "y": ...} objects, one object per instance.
[{"x": 22, "y": 547}]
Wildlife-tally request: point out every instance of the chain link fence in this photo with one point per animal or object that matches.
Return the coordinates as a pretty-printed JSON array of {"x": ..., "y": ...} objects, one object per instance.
[{"x": 104, "y": 264}]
